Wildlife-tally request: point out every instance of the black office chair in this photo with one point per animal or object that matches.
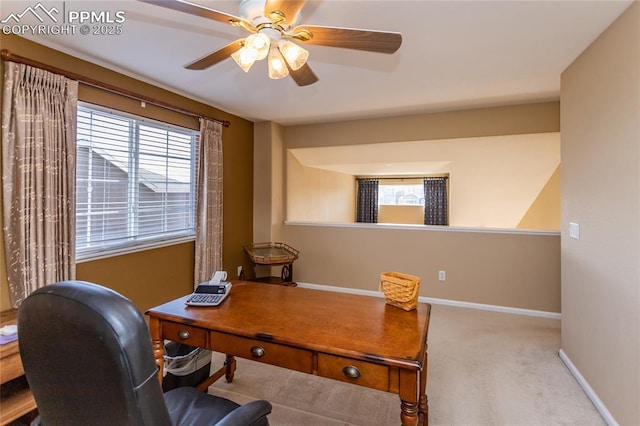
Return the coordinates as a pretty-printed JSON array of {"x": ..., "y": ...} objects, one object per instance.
[{"x": 87, "y": 356}]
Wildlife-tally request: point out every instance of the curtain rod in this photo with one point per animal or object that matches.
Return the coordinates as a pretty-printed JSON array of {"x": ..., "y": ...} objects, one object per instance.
[
  {"x": 392, "y": 177},
  {"x": 8, "y": 56}
]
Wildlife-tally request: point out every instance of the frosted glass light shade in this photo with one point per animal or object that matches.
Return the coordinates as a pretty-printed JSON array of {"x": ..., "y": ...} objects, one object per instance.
[
  {"x": 295, "y": 55},
  {"x": 277, "y": 67},
  {"x": 245, "y": 57},
  {"x": 260, "y": 42}
]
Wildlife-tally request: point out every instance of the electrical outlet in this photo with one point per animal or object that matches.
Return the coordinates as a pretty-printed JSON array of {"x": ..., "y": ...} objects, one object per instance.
[
  {"x": 442, "y": 275},
  {"x": 239, "y": 271}
]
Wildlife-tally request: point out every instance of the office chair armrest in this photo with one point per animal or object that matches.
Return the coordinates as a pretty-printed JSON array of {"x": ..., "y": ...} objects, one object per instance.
[{"x": 248, "y": 414}]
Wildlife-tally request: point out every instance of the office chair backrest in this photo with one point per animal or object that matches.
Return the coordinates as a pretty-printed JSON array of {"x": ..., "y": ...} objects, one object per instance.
[{"x": 87, "y": 357}]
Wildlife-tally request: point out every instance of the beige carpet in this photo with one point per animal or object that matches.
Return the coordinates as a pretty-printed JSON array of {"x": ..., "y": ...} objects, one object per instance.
[{"x": 485, "y": 368}]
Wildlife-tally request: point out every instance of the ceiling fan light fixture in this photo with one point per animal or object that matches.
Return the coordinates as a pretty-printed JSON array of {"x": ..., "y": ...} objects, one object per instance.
[
  {"x": 295, "y": 55},
  {"x": 245, "y": 57},
  {"x": 261, "y": 43},
  {"x": 277, "y": 67},
  {"x": 271, "y": 21}
]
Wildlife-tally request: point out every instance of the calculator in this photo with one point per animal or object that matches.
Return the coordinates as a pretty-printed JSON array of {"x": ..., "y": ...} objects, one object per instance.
[{"x": 209, "y": 294}]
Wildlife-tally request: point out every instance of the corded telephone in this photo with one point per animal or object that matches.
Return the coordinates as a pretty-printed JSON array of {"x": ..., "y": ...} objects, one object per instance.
[{"x": 212, "y": 292}]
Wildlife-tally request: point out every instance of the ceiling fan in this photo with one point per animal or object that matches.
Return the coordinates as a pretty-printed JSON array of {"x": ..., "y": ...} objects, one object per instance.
[{"x": 274, "y": 28}]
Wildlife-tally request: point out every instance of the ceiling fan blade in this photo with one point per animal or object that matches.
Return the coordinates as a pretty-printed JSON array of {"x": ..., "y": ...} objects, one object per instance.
[
  {"x": 349, "y": 38},
  {"x": 215, "y": 57},
  {"x": 303, "y": 76},
  {"x": 289, "y": 8},
  {"x": 199, "y": 10}
]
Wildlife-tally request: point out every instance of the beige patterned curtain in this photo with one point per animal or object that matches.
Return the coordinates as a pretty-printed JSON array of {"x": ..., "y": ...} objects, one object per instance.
[
  {"x": 208, "y": 247},
  {"x": 38, "y": 178}
]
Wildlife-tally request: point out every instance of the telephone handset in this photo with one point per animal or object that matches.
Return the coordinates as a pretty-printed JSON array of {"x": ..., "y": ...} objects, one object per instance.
[{"x": 212, "y": 292}]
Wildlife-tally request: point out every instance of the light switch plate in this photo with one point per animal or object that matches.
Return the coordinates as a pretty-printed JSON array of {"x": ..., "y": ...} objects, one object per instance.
[{"x": 574, "y": 230}]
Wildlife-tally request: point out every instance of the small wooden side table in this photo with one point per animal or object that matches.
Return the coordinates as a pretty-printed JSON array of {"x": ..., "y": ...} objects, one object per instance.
[{"x": 272, "y": 254}]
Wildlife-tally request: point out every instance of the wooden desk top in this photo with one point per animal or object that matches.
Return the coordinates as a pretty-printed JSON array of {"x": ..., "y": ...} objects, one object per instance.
[{"x": 355, "y": 326}]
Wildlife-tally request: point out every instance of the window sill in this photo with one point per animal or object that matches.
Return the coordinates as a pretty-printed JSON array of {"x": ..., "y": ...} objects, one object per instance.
[
  {"x": 107, "y": 253},
  {"x": 425, "y": 228}
]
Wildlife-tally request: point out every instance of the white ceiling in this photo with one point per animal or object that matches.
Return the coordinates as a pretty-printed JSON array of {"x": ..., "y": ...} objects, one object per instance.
[{"x": 455, "y": 54}]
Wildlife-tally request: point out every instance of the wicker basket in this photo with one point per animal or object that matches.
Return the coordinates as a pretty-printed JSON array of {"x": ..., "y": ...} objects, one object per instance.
[{"x": 400, "y": 289}]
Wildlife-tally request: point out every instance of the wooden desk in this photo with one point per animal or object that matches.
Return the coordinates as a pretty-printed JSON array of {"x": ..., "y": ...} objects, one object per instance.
[
  {"x": 16, "y": 399},
  {"x": 346, "y": 337}
]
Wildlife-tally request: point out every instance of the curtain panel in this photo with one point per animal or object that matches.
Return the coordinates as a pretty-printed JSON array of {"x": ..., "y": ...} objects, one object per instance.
[
  {"x": 208, "y": 246},
  {"x": 367, "y": 201},
  {"x": 38, "y": 178},
  {"x": 436, "y": 205}
]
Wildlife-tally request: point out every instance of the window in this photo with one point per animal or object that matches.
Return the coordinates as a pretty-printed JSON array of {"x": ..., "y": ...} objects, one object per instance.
[
  {"x": 135, "y": 182},
  {"x": 401, "y": 195},
  {"x": 420, "y": 200}
]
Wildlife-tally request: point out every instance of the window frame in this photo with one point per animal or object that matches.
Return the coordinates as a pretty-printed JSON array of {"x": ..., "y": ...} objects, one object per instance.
[
  {"x": 386, "y": 182},
  {"x": 417, "y": 180},
  {"x": 137, "y": 242}
]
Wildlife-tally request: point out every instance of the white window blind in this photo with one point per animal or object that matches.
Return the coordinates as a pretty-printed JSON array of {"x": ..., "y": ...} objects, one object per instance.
[{"x": 135, "y": 182}]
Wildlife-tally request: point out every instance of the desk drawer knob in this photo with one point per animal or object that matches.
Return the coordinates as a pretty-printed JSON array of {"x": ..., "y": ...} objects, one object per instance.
[
  {"x": 351, "y": 372},
  {"x": 183, "y": 334},
  {"x": 257, "y": 351}
]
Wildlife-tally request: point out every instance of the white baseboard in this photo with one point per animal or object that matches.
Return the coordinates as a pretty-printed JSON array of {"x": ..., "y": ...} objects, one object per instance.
[
  {"x": 602, "y": 409},
  {"x": 434, "y": 301}
]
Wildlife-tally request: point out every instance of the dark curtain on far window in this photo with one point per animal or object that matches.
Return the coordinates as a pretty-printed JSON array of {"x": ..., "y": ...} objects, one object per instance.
[
  {"x": 367, "y": 203},
  {"x": 436, "y": 206}
]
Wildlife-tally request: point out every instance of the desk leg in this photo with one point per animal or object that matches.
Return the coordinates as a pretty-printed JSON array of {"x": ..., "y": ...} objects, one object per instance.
[
  {"x": 230, "y": 364},
  {"x": 424, "y": 403},
  {"x": 409, "y": 397},
  {"x": 227, "y": 370},
  {"x": 413, "y": 396},
  {"x": 157, "y": 345},
  {"x": 409, "y": 415}
]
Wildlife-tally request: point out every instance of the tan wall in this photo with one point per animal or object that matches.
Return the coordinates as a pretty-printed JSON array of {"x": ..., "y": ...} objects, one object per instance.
[
  {"x": 320, "y": 195},
  {"x": 514, "y": 270},
  {"x": 148, "y": 278},
  {"x": 269, "y": 163},
  {"x": 262, "y": 190},
  {"x": 493, "y": 180},
  {"x": 161, "y": 274},
  {"x": 600, "y": 97},
  {"x": 492, "y": 268},
  {"x": 413, "y": 215},
  {"x": 508, "y": 120},
  {"x": 544, "y": 213}
]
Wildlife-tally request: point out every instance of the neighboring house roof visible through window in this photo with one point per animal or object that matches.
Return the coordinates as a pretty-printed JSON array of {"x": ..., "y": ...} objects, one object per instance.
[{"x": 154, "y": 181}]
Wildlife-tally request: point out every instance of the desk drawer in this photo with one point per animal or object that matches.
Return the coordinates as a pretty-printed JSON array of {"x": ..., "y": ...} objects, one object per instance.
[
  {"x": 349, "y": 370},
  {"x": 186, "y": 334},
  {"x": 258, "y": 350}
]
